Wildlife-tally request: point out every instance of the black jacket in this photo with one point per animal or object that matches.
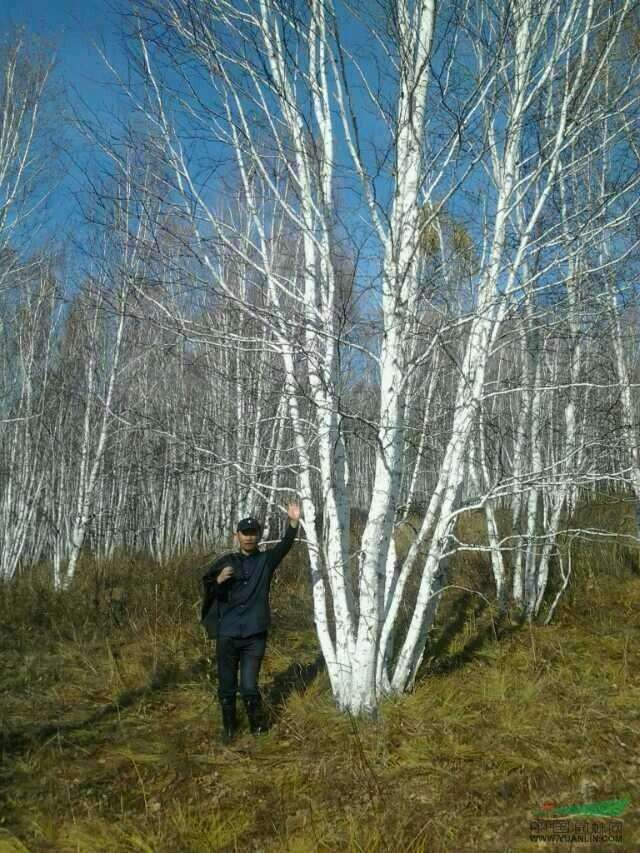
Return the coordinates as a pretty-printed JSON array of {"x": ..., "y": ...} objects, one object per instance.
[{"x": 239, "y": 606}]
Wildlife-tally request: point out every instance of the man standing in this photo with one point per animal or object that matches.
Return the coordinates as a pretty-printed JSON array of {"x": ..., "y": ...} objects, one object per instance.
[{"x": 235, "y": 612}]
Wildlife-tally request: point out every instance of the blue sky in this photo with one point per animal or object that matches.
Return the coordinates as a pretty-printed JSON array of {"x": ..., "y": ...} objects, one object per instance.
[
  {"x": 71, "y": 27},
  {"x": 70, "y": 30},
  {"x": 74, "y": 28}
]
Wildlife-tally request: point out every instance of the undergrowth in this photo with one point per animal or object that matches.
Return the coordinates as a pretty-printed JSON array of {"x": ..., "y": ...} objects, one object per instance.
[{"x": 110, "y": 725}]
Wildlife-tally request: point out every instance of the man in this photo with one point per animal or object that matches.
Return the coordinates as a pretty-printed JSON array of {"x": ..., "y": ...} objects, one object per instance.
[{"x": 235, "y": 612}]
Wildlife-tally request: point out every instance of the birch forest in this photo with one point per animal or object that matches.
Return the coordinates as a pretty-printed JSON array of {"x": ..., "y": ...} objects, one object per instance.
[{"x": 379, "y": 256}]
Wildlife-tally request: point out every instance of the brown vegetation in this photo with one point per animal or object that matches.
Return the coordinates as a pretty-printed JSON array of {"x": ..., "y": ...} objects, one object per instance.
[{"x": 111, "y": 728}]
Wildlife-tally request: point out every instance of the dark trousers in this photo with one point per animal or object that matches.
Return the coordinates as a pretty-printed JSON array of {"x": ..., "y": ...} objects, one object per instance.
[{"x": 246, "y": 651}]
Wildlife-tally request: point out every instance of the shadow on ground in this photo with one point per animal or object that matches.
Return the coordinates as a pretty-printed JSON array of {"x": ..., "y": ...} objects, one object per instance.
[
  {"x": 491, "y": 629},
  {"x": 19, "y": 740},
  {"x": 298, "y": 677}
]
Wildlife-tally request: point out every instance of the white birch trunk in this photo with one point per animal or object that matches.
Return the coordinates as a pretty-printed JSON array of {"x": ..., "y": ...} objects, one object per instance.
[{"x": 89, "y": 469}]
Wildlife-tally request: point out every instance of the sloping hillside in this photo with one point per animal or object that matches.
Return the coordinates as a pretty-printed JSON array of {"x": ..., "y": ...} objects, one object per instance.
[{"x": 111, "y": 727}]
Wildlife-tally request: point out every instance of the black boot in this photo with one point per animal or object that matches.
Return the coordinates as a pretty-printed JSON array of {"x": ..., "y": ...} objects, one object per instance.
[
  {"x": 253, "y": 706},
  {"x": 229, "y": 721}
]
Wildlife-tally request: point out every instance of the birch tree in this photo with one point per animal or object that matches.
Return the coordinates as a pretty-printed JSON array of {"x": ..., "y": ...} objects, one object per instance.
[
  {"x": 115, "y": 270},
  {"x": 440, "y": 106},
  {"x": 25, "y": 165},
  {"x": 29, "y": 343}
]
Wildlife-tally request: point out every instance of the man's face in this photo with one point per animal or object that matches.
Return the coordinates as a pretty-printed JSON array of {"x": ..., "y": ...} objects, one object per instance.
[{"x": 248, "y": 540}]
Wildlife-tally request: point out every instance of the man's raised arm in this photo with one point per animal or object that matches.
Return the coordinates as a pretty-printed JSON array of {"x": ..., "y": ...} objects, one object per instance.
[{"x": 277, "y": 554}]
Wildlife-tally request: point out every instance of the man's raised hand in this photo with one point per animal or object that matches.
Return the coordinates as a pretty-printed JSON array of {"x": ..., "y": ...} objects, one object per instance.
[{"x": 293, "y": 511}]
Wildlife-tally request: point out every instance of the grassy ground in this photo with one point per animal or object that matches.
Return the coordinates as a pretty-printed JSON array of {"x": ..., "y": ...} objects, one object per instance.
[{"x": 110, "y": 728}]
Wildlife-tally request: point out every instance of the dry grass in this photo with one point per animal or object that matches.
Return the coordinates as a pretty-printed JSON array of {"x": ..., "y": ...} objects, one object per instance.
[{"x": 110, "y": 724}]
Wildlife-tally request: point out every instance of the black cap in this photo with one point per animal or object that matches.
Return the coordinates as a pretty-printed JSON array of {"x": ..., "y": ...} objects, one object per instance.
[{"x": 249, "y": 523}]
